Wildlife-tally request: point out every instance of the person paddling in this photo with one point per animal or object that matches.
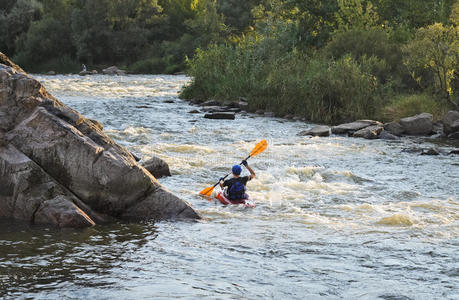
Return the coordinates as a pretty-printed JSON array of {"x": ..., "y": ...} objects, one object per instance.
[{"x": 236, "y": 186}]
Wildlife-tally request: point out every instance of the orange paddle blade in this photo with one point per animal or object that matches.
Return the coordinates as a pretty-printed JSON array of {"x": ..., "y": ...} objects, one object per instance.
[
  {"x": 207, "y": 191},
  {"x": 260, "y": 147}
]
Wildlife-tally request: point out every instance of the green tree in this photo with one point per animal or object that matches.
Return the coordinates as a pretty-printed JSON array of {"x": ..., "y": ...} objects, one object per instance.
[
  {"x": 414, "y": 13},
  {"x": 15, "y": 19},
  {"x": 356, "y": 15},
  {"x": 434, "y": 49}
]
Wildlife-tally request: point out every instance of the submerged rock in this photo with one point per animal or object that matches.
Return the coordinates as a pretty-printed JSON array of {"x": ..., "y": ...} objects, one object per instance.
[
  {"x": 420, "y": 124},
  {"x": 60, "y": 168},
  {"x": 220, "y": 115}
]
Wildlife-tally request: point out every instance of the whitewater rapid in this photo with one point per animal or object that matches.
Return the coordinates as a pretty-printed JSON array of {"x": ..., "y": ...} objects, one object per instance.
[{"x": 336, "y": 217}]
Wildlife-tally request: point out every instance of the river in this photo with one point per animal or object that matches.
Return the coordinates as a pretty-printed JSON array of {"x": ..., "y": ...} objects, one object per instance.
[{"x": 336, "y": 217}]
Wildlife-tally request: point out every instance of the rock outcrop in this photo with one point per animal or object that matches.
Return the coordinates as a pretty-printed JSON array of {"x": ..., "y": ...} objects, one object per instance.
[
  {"x": 421, "y": 124},
  {"x": 60, "y": 168},
  {"x": 451, "y": 122}
]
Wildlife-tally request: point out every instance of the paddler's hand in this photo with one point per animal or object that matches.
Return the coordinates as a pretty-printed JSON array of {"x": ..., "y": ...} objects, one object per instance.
[
  {"x": 244, "y": 162},
  {"x": 221, "y": 179}
]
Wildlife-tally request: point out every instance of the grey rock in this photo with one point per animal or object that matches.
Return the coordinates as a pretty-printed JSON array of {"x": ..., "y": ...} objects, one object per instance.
[
  {"x": 260, "y": 112},
  {"x": 231, "y": 104},
  {"x": 194, "y": 111},
  {"x": 454, "y": 135},
  {"x": 113, "y": 70},
  {"x": 210, "y": 103},
  {"x": 430, "y": 151},
  {"x": 84, "y": 73},
  {"x": 60, "y": 168},
  {"x": 243, "y": 105},
  {"x": 413, "y": 150},
  {"x": 394, "y": 128},
  {"x": 213, "y": 109},
  {"x": 384, "y": 135},
  {"x": 96, "y": 123},
  {"x": 62, "y": 212},
  {"x": 370, "y": 132},
  {"x": 437, "y": 128},
  {"x": 157, "y": 167},
  {"x": 320, "y": 130},
  {"x": 220, "y": 116},
  {"x": 451, "y": 122},
  {"x": 27, "y": 192},
  {"x": 420, "y": 124},
  {"x": 269, "y": 114},
  {"x": 50, "y": 73},
  {"x": 455, "y": 151},
  {"x": 353, "y": 126}
]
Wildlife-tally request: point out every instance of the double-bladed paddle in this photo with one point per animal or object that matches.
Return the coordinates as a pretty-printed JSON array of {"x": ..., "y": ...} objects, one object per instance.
[{"x": 260, "y": 147}]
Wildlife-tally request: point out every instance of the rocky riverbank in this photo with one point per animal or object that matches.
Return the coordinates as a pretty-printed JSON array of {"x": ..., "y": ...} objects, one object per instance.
[
  {"x": 59, "y": 168},
  {"x": 418, "y": 125}
]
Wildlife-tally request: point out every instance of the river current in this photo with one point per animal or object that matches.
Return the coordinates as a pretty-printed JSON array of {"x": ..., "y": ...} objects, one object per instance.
[{"x": 336, "y": 217}]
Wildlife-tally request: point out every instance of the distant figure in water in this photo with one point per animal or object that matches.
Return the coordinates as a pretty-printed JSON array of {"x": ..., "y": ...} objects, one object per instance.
[
  {"x": 84, "y": 68},
  {"x": 236, "y": 186}
]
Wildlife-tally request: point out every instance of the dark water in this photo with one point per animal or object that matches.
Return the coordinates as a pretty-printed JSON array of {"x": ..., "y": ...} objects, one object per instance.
[{"x": 336, "y": 218}]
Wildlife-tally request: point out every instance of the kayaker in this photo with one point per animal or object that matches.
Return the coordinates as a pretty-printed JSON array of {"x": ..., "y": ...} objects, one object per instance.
[{"x": 236, "y": 186}]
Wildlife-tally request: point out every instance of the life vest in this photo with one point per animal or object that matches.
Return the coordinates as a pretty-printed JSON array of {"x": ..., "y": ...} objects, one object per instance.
[{"x": 237, "y": 190}]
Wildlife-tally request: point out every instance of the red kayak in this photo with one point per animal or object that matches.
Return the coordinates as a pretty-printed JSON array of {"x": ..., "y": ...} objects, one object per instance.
[{"x": 223, "y": 200}]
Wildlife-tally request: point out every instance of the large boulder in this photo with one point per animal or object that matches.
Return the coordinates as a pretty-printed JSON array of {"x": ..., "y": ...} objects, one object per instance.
[
  {"x": 451, "y": 122},
  {"x": 157, "y": 167},
  {"x": 394, "y": 128},
  {"x": 420, "y": 124},
  {"x": 353, "y": 126},
  {"x": 113, "y": 70},
  {"x": 320, "y": 130},
  {"x": 57, "y": 167}
]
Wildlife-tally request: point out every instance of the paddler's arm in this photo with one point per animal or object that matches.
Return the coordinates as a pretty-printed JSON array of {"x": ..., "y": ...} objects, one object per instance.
[{"x": 252, "y": 172}]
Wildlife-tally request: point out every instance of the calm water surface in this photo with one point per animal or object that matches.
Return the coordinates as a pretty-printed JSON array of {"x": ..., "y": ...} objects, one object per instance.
[{"x": 336, "y": 218}]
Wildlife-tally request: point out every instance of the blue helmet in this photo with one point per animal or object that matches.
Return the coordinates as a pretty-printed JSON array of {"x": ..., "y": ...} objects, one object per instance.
[{"x": 236, "y": 170}]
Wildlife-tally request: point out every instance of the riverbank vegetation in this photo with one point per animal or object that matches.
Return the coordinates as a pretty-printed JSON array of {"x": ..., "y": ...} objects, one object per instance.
[
  {"x": 338, "y": 60},
  {"x": 326, "y": 61},
  {"x": 142, "y": 36}
]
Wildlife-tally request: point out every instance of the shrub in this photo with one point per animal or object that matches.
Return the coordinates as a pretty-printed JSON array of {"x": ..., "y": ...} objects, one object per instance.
[
  {"x": 409, "y": 105},
  {"x": 154, "y": 65}
]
